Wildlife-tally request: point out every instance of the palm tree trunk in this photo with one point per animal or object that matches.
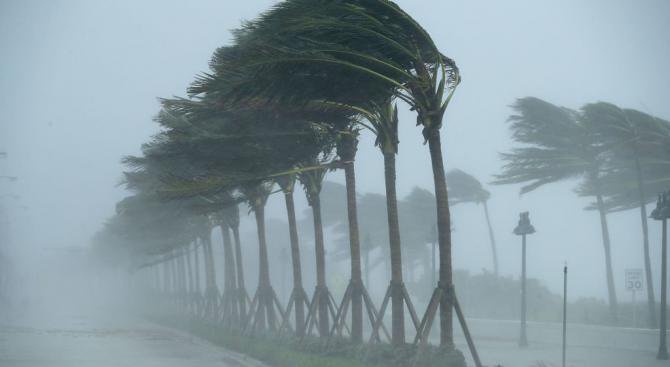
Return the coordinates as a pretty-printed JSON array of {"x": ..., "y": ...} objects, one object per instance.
[
  {"x": 608, "y": 259},
  {"x": 320, "y": 252},
  {"x": 173, "y": 271},
  {"x": 183, "y": 290},
  {"x": 444, "y": 237},
  {"x": 189, "y": 269},
  {"x": 494, "y": 250},
  {"x": 181, "y": 274},
  {"x": 355, "y": 248},
  {"x": 239, "y": 266},
  {"x": 166, "y": 277},
  {"x": 651, "y": 299},
  {"x": 228, "y": 261},
  {"x": 210, "y": 271},
  {"x": 263, "y": 268},
  {"x": 397, "y": 309},
  {"x": 184, "y": 276},
  {"x": 297, "y": 268},
  {"x": 229, "y": 270},
  {"x": 196, "y": 260}
]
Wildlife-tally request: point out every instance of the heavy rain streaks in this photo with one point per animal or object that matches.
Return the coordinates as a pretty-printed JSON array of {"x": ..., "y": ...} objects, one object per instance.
[{"x": 334, "y": 183}]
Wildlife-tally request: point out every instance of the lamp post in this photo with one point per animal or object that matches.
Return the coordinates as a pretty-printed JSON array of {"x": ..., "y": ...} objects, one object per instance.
[
  {"x": 522, "y": 229},
  {"x": 662, "y": 213}
]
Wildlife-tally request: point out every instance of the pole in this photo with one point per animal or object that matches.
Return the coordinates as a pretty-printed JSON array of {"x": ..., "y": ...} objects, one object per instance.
[
  {"x": 523, "y": 340},
  {"x": 634, "y": 310},
  {"x": 565, "y": 309},
  {"x": 663, "y": 347}
]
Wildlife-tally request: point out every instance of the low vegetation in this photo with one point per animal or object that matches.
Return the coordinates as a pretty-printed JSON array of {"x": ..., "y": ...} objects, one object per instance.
[{"x": 314, "y": 352}]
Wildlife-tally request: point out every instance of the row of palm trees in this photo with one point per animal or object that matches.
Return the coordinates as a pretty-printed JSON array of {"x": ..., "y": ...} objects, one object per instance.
[
  {"x": 620, "y": 156},
  {"x": 284, "y": 104}
]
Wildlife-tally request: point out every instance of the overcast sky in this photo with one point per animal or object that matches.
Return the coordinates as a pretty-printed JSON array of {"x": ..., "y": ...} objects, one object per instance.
[{"x": 79, "y": 82}]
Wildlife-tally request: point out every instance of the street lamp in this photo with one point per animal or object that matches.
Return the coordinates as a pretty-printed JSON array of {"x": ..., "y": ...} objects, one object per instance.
[
  {"x": 662, "y": 213},
  {"x": 522, "y": 229}
]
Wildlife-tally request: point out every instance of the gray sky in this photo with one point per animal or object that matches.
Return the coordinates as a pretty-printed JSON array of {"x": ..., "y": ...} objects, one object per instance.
[{"x": 79, "y": 82}]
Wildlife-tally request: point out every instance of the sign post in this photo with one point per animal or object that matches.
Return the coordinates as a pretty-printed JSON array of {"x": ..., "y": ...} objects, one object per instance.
[
  {"x": 634, "y": 283},
  {"x": 565, "y": 310}
]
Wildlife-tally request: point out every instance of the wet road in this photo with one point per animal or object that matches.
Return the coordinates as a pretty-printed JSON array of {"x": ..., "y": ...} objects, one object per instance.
[
  {"x": 108, "y": 342},
  {"x": 588, "y": 345}
]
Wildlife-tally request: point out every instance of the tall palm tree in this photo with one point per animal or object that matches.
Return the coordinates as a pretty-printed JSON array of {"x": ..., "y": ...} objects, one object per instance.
[
  {"x": 298, "y": 298},
  {"x": 229, "y": 299},
  {"x": 347, "y": 146},
  {"x": 465, "y": 188},
  {"x": 312, "y": 181},
  {"x": 384, "y": 122},
  {"x": 231, "y": 215},
  {"x": 557, "y": 145},
  {"x": 634, "y": 140},
  {"x": 265, "y": 304}
]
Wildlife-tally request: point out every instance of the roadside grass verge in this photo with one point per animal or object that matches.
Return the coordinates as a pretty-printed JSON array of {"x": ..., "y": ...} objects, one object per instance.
[{"x": 287, "y": 351}]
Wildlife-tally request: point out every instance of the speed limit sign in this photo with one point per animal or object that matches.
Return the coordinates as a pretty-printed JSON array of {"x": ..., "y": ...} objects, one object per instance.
[{"x": 634, "y": 280}]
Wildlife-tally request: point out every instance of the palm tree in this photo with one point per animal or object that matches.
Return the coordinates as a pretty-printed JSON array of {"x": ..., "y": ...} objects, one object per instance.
[
  {"x": 635, "y": 141},
  {"x": 384, "y": 122},
  {"x": 265, "y": 300},
  {"x": 467, "y": 189},
  {"x": 229, "y": 298},
  {"x": 347, "y": 147},
  {"x": 298, "y": 298},
  {"x": 558, "y": 145},
  {"x": 231, "y": 215},
  {"x": 312, "y": 181}
]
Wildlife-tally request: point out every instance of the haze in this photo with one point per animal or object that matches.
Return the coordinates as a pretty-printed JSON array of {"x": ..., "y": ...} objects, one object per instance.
[{"x": 80, "y": 82}]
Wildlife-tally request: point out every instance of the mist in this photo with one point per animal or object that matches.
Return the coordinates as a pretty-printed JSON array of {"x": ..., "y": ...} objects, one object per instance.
[{"x": 81, "y": 87}]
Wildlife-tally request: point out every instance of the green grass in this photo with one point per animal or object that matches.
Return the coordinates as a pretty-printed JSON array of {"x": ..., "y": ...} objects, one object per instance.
[{"x": 313, "y": 352}]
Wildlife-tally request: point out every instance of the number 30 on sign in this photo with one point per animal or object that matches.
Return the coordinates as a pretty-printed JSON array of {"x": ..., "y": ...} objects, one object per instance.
[{"x": 634, "y": 280}]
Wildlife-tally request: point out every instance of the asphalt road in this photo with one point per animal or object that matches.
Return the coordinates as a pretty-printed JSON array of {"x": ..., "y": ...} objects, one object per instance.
[
  {"x": 111, "y": 342},
  {"x": 102, "y": 340},
  {"x": 588, "y": 345}
]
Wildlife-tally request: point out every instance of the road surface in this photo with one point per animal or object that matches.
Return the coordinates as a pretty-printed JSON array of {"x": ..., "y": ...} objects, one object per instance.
[
  {"x": 110, "y": 342},
  {"x": 100, "y": 339},
  {"x": 588, "y": 345}
]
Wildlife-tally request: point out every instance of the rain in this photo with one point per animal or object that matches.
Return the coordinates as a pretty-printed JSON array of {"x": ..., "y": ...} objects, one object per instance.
[{"x": 334, "y": 183}]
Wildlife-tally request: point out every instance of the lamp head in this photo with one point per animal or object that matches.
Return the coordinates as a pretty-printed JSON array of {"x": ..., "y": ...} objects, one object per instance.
[{"x": 524, "y": 226}]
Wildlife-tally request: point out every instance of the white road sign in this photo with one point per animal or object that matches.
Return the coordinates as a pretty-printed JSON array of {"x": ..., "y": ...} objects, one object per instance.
[{"x": 634, "y": 280}]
